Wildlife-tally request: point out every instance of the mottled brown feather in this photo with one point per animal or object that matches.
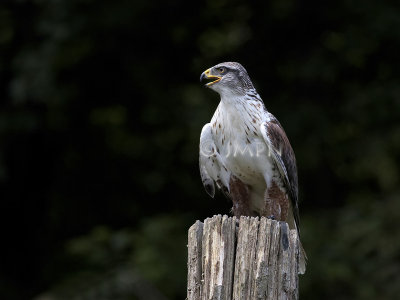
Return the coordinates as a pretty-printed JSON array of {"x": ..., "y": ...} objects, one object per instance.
[
  {"x": 281, "y": 143},
  {"x": 240, "y": 196},
  {"x": 276, "y": 203}
]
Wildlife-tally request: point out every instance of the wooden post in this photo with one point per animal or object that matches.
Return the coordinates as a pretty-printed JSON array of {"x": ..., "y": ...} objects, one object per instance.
[{"x": 250, "y": 258}]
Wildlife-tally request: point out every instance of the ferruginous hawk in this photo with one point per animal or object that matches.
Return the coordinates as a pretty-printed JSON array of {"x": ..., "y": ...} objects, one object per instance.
[{"x": 245, "y": 152}]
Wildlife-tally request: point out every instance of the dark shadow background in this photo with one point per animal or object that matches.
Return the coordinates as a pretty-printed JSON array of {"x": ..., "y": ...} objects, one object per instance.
[{"x": 100, "y": 116}]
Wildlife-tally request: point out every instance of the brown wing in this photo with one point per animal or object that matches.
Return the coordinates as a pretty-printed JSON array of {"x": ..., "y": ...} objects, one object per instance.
[{"x": 283, "y": 155}]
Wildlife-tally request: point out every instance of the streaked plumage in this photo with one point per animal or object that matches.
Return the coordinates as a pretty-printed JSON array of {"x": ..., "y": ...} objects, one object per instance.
[{"x": 245, "y": 152}]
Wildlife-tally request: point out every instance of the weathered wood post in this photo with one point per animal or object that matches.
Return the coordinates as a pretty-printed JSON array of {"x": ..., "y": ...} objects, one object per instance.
[{"x": 254, "y": 259}]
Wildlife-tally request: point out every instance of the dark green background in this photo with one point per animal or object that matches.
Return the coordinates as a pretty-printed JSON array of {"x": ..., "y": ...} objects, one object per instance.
[{"x": 100, "y": 116}]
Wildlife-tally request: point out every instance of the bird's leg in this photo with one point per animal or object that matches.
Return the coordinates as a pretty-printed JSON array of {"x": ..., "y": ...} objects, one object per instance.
[
  {"x": 240, "y": 196},
  {"x": 276, "y": 203},
  {"x": 272, "y": 209}
]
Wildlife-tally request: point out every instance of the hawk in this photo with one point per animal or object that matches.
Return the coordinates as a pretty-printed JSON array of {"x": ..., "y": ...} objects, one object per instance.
[{"x": 245, "y": 152}]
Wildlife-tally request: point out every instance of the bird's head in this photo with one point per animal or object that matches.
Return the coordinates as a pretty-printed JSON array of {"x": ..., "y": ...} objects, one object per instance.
[{"x": 227, "y": 78}]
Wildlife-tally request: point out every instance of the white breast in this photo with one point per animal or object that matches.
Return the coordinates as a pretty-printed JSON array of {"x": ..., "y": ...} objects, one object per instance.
[{"x": 236, "y": 131}]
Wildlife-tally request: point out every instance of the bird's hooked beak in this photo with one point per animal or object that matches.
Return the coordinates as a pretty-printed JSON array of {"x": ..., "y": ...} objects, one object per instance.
[{"x": 206, "y": 75}]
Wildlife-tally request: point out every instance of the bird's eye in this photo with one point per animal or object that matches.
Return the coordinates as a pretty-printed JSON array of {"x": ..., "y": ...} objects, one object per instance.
[{"x": 221, "y": 70}]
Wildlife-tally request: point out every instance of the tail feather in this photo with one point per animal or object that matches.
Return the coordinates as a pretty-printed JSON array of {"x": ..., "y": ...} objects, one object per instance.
[
  {"x": 302, "y": 255},
  {"x": 302, "y": 259}
]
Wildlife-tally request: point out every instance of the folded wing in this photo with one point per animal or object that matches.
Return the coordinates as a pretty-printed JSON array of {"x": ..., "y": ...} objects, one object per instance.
[
  {"x": 282, "y": 153},
  {"x": 211, "y": 163}
]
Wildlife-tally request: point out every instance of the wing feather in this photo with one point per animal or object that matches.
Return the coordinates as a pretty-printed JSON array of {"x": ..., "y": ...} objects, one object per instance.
[
  {"x": 212, "y": 168},
  {"x": 285, "y": 160}
]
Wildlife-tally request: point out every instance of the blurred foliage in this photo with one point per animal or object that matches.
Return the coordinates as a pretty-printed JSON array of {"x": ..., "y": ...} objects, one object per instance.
[
  {"x": 100, "y": 117},
  {"x": 124, "y": 263}
]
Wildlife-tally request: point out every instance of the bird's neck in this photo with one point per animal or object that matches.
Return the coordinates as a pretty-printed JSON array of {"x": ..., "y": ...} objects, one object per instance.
[
  {"x": 242, "y": 106},
  {"x": 236, "y": 96},
  {"x": 236, "y": 110}
]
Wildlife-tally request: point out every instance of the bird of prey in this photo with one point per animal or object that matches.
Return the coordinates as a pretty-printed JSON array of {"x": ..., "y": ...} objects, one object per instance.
[{"x": 245, "y": 152}]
